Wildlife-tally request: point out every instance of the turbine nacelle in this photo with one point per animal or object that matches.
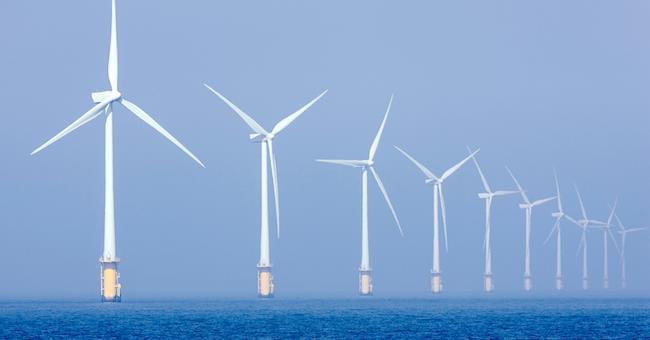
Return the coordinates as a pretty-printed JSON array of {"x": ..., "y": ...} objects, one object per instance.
[
  {"x": 557, "y": 214},
  {"x": 105, "y": 96},
  {"x": 432, "y": 180},
  {"x": 485, "y": 195}
]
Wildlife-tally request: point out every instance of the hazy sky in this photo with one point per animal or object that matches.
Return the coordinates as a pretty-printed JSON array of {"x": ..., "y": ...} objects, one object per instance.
[{"x": 534, "y": 84}]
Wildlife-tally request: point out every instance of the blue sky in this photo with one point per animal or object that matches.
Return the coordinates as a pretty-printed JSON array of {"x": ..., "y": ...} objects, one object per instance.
[{"x": 535, "y": 85}]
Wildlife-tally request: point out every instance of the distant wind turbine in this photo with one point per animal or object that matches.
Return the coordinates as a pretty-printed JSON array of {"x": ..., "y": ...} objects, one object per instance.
[
  {"x": 607, "y": 232},
  {"x": 488, "y": 196},
  {"x": 559, "y": 214},
  {"x": 365, "y": 279},
  {"x": 265, "y": 285},
  {"x": 584, "y": 223},
  {"x": 528, "y": 206},
  {"x": 436, "y": 280},
  {"x": 624, "y": 231},
  {"x": 110, "y": 286}
]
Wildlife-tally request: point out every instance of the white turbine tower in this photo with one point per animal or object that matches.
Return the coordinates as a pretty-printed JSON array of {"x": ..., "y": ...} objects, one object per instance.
[
  {"x": 584, "y": 223},
  {"x": 488, "y": 196},
  {"x": 436, "y": 280},
  {"x": 110, "y": 287},
  {"x": 607, "y": 232},
  {"x": 265, "y": 285},
  {"x": 365, "y": 279},
  {"x": 624, "y": 231},
  {"x": 528, "y": 206}
]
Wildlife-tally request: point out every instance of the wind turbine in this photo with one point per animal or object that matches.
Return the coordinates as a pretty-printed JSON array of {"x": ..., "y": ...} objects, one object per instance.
[
  {"x": 488, "y": 196},
  {"x": 624, "y": 231},
  {"x": 365, "y": 279},
  {"x": 436, "y": 281},
  {"x": 584, "y": 223},
  {"x": 265, "y": 285},
  {"x": 110, "y": 287},
  {"x": 528, "y": 205},
  {"x": 607, "y": 231}
]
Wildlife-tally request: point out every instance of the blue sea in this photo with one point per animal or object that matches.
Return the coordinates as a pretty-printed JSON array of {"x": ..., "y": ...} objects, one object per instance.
[{"x": 344, "y": 318}]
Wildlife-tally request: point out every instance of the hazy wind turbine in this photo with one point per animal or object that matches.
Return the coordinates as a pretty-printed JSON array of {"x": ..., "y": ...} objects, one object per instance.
[
  {"x": 607, "y": 231},
  {"x": 559, "y": 214},
  {"x": 365, "y": 279},
  {"x": 528, "y": 205},
  {"x": 265, "y": 285},
  {"x": 584, "y": 223},
  {"x": 436, "y": 280},
  {"x": 488, "y": 196},
  {"x": 110, "y": 287},
  {"x": 624, "y": 231}
]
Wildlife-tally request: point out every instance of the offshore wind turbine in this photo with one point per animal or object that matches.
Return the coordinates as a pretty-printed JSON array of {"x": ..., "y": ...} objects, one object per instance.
[
  {"x": 624, "y": 231},
  {"x": 488, "y": 196},
  {"x": 528, "y": 206},
  {"x": 607, "y": 231},
  {"x": 110, "y": 287},
  {"x": 265, "y": 286},
  {"x": 583, "y": 224},
  {"x": 436, "y": 280},
  {"x": 559, "y": 214},
  {"x": 365, "y": 278}
]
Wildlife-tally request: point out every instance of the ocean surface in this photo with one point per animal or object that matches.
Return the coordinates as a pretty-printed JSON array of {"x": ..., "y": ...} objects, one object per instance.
[{"x": 344, "y": 318}]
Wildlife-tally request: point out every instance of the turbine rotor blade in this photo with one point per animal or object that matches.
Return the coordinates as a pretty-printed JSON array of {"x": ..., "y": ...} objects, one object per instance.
[
  {"x": 274, "y": 175},
  {"x": 611, "y": 215},
  {"x": 478, "y": 167},
  {"x": 444, "y": 215},
  {"x": 505, "y": 192},
  {"x": 582, "y": 206},
  {"x": 557, "y": 188},
  {"x": 85, "y": 118},
  {"x": 572, "y": 220},
  {"x": 247, "y": 119},
  {"x": 112, "y": 56},
  {"x": 352, "y": 163},
  {"x": 422, "y": 168},
  {"x": 542, "y": 201},
  {"x": 151, "y": 122},
  {"x": 281, "y": 125},
  {"x": 555, "y": 226},
  {"x": 375, "y": 143},
  {"x": 390, "y": 205},
  {"x": 620, "y": 225},
  {"x": 521, "y": 190},
  {"x": 583, "y": 240},
  {"x": 609, "y": 232},
  {"x": 455, "y": 168}
]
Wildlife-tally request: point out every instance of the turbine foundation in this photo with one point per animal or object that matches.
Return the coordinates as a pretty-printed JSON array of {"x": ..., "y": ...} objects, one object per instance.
[
  {"x": 528, "y": 283},
  {"x": 436, "y": 282},
  {"x": 264, "y": 282},
  {"x": 623, "y": 284},
  {"x": 110, "y": 287},
  {"x": 585, "y": 283},
  {"x": 558, "y": 283},
  {"x": 365, "y": 282},
  {"x": 606, "y": 284},
  {"x": 488, "y": 283}
]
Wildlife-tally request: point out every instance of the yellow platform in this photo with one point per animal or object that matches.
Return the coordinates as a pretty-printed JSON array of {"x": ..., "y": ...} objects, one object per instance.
[{"x": 110, "y": 287}]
